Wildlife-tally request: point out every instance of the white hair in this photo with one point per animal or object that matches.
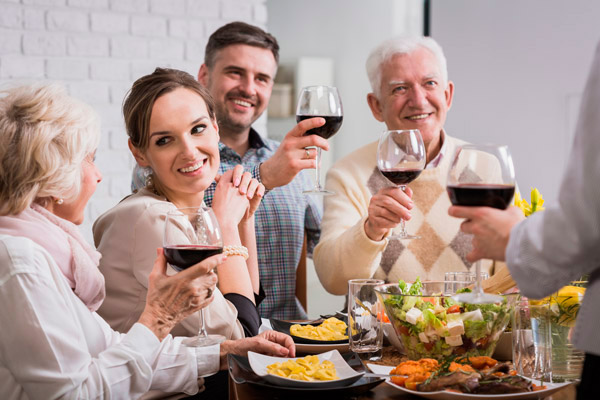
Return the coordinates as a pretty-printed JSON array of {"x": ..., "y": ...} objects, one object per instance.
[
  {"x": 401, "y": 45},
  {"x": 45, "y": 135}
]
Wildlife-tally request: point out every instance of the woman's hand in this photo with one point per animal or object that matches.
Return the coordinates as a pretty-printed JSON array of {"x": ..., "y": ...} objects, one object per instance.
[
  {"x": 237, "y": 196},
  {"x": 173, "y": 298},
  {"x": 271, "y": 343}
]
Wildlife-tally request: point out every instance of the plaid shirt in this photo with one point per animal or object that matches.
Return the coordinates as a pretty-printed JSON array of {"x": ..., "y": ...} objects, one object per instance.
[{"x": 283, "y": 215}]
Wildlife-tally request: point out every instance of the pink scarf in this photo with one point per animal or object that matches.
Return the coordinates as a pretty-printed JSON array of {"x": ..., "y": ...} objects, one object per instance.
[{"x": 77, "y": 259}]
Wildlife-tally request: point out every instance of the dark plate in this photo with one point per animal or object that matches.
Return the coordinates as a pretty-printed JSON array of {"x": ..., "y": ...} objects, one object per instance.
[
  {"x": 284, "y": 326},
  {"x": 241, "y": 372}
]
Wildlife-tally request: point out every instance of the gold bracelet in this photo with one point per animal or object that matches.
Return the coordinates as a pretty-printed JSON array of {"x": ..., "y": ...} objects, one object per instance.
[{"x": 236, "y": 251}]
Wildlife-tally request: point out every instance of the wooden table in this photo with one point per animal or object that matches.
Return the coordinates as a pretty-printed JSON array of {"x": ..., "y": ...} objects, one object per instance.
[{"x": 380, "y": 392}]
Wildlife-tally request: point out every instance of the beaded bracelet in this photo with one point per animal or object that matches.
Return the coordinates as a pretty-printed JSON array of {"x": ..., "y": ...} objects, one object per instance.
[{"x": 236, "y": 251}]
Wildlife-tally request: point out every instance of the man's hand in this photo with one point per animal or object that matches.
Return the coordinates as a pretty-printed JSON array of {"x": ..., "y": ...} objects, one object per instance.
[
  {"x": 291, "y": 157},
  {"x": 271, "y": 343},
  {"x": 490, "y": 228},
  {"x": 386, "y": 210}
]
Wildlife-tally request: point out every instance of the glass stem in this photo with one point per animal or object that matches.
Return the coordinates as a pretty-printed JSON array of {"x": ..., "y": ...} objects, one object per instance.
[
  {"x": 478, "y": 288},
  {"x": 403, "y": 232},
  {"x": 202, "y": 328},
  {"x": 317, "y": 170}
]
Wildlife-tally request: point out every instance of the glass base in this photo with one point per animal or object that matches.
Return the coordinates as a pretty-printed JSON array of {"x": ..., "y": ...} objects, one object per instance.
[
  {"x": 403, "y": 237},
  {"x": 320, "y": 192},
  {"x": 477, "y": 298},
  {"x": 208, "y": 340}
]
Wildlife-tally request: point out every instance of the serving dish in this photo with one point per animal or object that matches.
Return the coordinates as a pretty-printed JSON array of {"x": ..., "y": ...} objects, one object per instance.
[
  {"x": 431, "y": 324},
  {"x": 346, "y": 374},
  {"x": 446, "y": 395},
  {"x": 241, "y": 372},
  {"x": 284, "y": 326}
]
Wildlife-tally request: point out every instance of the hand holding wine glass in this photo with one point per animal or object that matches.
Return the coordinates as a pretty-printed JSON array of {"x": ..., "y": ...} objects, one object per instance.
[
  {"x": 481, "y": 176},
  {"x": 324, "y": 102},
  {"x": 191, "y": 236},
  {"x": 401, "y": 158},
  {"x": 172, "y": 298}
]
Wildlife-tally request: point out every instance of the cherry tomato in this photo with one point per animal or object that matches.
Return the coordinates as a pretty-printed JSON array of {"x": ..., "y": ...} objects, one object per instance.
[{"x": 453, "y": 309}]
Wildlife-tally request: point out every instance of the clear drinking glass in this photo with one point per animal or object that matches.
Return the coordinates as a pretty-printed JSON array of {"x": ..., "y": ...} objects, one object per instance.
[
  {"x": 192, "y": 235},
  {"x": 365, "y": 331},
  {"x": 456, "y": 280},
  {"x": 324, "y": 102},
  {"x": 481, "y": 175},
  {"x": 401, "y": 158},
  {"x": 532, "y": 346},
  {"x": 567, "y": 361}
]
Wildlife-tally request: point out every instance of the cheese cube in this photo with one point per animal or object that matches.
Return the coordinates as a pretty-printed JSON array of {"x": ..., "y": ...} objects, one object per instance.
[
  {"x": 456, "y": 327},
  {"x": 413, "y": 315},
  {"x": 472, "y": 315},
  {"x": 454, "y": 340},
  {"x": 423, "y": 337}
]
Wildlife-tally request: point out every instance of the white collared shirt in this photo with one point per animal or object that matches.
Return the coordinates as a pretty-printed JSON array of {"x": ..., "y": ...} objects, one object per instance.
[
  {"x": 52, "y": 346},
  {"x": 438, "y": 159}
]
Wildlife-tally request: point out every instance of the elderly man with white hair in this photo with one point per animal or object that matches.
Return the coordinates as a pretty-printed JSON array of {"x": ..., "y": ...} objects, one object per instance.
[{"x": 411, "y": 90}]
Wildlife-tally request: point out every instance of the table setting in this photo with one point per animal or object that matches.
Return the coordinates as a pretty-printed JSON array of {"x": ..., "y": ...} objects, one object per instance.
[{"x": 469, "y": 336}]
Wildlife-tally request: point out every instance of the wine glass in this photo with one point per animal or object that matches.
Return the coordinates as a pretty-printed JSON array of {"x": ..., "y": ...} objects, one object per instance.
[
  {"x": 401, "y": 158},
  {"x": 324, "y": 102},
  {"x": 481, "y": 175},
  {"x": 192, "y": 235}
]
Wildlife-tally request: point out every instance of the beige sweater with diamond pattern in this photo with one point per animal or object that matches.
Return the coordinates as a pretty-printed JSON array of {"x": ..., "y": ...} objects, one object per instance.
[{"x": 345, "y": 252}]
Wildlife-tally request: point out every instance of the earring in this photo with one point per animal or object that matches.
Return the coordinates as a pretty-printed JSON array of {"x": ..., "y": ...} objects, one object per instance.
[
  {"x": 148, "y": 180},
  {"x": 59, "y": 201}
]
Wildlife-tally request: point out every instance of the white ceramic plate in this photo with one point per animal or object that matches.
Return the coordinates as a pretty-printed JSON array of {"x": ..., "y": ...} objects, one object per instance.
[
  {"x": 347, "y": 375},
  {"x": 443, "y": 395}
]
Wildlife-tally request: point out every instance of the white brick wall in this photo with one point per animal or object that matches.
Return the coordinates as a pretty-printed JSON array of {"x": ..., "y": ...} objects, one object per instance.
[{"x": 97, "y": 48}]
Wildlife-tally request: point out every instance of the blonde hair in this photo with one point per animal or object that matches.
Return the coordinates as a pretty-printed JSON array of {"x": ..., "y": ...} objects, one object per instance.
[{"x": 45, "y": 135}]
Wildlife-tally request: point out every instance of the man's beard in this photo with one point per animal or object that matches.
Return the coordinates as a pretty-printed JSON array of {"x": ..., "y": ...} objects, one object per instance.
[{"x": 228, "y": 124}]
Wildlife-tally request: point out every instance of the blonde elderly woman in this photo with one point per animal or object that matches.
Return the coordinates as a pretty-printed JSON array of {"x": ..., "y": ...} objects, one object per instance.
[{"x": 53, "y": 343}]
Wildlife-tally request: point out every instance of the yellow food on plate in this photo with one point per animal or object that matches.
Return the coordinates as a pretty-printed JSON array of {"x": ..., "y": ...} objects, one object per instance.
[
  {"x": 308, "y": 368},
  {"x": 330, "y": 329}
]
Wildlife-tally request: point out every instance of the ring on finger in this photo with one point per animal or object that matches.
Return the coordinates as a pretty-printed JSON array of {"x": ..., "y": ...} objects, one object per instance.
[
  {"x": 209, "y": 293},
  {"x": 307, "y": 152}
]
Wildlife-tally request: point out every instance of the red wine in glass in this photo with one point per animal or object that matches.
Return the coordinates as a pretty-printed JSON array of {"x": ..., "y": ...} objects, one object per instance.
[
  {"x": 184, "y": 256},
  {"x": 332, "y": 125},
  {"x": 191, "y": 235},
  {"x": 401, "y": 177},
  {"x": 401, "y": 158},
  {"x": 481, "y": 176},
  {"x": 323, "y": 102},
  {"x": 481, "y": 195}
]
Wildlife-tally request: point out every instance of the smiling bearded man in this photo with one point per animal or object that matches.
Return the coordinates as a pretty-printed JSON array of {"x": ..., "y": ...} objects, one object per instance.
[{"x": 411, "y": 90}]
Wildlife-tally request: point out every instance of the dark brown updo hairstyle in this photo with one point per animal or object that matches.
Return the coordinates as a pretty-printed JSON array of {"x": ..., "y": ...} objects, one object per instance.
[{"x": 137, "y": 107}]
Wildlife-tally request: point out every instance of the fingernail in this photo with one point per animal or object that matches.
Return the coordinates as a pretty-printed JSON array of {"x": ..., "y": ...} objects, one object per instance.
[{"x": 237, "y": 181}]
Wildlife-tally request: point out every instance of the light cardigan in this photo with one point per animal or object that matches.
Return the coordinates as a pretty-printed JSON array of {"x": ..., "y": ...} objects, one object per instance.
[
  {"x": 52, "y": 346},
  {"x": 127, "y": 236},
  {"x": 346, "y": 252}
]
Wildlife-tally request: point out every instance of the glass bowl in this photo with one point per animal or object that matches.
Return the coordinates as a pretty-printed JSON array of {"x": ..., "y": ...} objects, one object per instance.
[{"x": 433, "y": 325}]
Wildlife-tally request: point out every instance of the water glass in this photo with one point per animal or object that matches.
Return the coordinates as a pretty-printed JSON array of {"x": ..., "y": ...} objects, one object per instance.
[
  {"x": 567, "y": 361},
  {"x": 461, "y": 279},
  {"x": 365, "y": 330},
  {"x": 532, "y": 345}
]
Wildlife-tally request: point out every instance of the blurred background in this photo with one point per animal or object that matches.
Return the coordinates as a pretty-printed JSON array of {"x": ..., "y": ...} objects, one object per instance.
[{"x": 519, "y": 68}]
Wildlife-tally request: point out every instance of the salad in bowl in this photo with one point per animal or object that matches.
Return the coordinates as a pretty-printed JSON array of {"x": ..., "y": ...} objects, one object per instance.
[{"x": 430, "y": 324}]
